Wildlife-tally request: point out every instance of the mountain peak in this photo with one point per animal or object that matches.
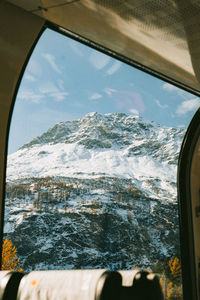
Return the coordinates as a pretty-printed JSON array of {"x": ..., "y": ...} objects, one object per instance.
[
  {"x": 117, "y": 144},
  {"x": 102, "y": 131},
  {"x": 91, "y": 114},
  {"x": 92, "y": 130}
]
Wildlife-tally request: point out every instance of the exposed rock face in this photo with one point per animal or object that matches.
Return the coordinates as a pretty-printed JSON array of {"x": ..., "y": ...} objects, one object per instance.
[{"x": 99, "y": 192}]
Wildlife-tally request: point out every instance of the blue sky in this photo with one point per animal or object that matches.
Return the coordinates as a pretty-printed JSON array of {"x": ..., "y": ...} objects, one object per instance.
[{"x": 65, "y": 80}]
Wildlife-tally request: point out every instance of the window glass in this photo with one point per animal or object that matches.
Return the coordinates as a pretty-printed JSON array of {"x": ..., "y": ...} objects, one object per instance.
[{"x": 91, "y": 170}]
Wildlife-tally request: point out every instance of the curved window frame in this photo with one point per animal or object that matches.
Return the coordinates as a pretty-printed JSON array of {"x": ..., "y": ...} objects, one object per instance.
[
  {"x": 10, "y": 85},
  {"x": 185, "y": 200}
]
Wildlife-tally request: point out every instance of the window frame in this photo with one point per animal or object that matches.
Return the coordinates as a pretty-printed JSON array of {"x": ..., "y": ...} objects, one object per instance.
[{"x": 184, "y": 164}]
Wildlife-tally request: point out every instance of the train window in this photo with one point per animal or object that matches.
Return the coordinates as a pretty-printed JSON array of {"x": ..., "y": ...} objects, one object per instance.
[{"x": 91, "y": 170}]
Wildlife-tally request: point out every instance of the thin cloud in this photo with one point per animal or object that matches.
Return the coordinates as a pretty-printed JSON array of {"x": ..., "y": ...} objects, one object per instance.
[
  {"x": 34, "y": 68},
  {"x": 114, "y": 68},
  {"x": 130, "y": 100},
  {"x": 29, "y": 95},
  {"x": 29, "y": 77},
  {"x": 51, "y": 90},
  {"x": 163, "y": 106},
  {"x": 48, "y": 87},
  {"x": 188, "y": 106},
  {"x": 96, "y": 96},
  {"x": 75, "y": 47},
  {"x": 134, "y": 111},
  {"x": 99, "y": 60},
  {"x": 110, "y": 91},
  {"x": 59, "y": 96},
  {"x": 170, "y": 87},
  {"x": 126, "y": 100},
  {"x": 51, "y": 60},
  {"x": 61, "y": 84},
  {"x": 178, "y": 91}
]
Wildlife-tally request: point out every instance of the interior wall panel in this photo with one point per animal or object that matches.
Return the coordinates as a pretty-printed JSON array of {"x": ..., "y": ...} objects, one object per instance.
[
  {"x": 162, "y": 36},
  {"x": 18, "y": 32}
]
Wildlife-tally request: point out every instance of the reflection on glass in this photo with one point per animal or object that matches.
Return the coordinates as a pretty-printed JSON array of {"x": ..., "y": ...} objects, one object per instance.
[{"x": 91, "y": 174}]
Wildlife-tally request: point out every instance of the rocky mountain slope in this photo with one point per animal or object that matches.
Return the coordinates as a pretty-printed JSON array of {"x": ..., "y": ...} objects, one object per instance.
[{"x": 99, "y": 192}]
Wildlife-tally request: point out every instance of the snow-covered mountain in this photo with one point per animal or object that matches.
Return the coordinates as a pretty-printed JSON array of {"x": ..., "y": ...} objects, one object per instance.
[{"x": 95, "y": 192}]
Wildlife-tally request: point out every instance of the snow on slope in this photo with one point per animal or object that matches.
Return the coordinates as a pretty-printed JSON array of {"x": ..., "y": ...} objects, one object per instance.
[
  {"x": 116, "y": 145},
  {"x": 74, "y": 160}
]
